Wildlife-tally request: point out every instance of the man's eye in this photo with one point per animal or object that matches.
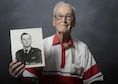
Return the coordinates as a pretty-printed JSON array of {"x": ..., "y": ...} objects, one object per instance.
[
  {"x": 60, "y": 16},
  {"x": 68, "y": 16}
]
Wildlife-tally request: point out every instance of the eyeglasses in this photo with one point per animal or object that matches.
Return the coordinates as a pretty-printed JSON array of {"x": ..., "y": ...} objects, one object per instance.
[{"x": 60, "y": 17}]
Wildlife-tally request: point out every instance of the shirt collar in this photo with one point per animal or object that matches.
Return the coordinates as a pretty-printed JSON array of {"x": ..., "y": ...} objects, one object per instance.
[
  {"x": 27, "y": 49},
  {"x": 56, "y": 41}
]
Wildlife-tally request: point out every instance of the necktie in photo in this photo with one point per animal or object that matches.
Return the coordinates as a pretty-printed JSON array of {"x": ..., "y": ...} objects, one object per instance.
[{"x": 26, "y": 51}]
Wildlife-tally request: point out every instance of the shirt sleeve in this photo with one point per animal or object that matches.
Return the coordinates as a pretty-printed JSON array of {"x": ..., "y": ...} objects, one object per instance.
[
  {"x": 91, "y": 72},
  {"x": 32, "y": 72}
]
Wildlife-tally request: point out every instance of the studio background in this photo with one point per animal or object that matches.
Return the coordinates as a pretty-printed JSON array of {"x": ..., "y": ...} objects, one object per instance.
[{"x": 96, "y": 25}]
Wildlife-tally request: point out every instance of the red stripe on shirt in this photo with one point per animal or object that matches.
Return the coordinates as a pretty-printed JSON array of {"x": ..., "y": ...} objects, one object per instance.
[
  {"x": 91, "y": 72},
  {"x": 35, "y": 71},
  {"x": 56, "y": 79},
  {"x": 63, "y": 57}
]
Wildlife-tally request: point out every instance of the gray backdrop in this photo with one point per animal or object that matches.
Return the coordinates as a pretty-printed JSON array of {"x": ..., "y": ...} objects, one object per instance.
[{"x": 96, "y": 25}]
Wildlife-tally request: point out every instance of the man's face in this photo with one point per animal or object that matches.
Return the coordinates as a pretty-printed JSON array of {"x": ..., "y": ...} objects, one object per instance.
[
  {"x": 63, "y": 20},
  {"x": 26, "y": 40}
]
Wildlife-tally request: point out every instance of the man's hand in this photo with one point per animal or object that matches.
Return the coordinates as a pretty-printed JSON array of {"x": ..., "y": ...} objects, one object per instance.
[{"x": 16, "y": 68}]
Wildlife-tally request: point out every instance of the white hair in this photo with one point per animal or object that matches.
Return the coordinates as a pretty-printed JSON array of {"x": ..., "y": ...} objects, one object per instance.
[{"x": 63, "y": 3}]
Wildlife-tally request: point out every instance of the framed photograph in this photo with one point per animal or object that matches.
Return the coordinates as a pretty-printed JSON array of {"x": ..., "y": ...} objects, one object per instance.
[{"x": 27, "y": 46}]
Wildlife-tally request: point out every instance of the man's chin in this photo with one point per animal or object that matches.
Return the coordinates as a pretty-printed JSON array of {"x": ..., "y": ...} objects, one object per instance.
[{"x": 63, "y": 31}]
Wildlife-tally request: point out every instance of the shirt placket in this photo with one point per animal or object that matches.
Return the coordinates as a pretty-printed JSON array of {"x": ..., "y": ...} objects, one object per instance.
[{"x": 63, "y": 56}]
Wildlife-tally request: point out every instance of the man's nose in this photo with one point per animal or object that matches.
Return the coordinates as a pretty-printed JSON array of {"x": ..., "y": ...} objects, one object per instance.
[{"x": 64, "y": 19}]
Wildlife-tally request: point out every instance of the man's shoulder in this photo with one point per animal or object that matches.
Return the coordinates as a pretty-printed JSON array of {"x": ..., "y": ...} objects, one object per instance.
[
  {"x": 78, "y": 42},
  {"x": 35, "y": 49},
  {"x": 19, "y": 51},
  {"x": 48, "y": 39}
]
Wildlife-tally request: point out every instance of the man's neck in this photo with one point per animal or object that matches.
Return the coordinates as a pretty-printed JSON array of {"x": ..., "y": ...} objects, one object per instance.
[
  {"x": 27, "y": 48},
  {"x": 63, "y": 38}
]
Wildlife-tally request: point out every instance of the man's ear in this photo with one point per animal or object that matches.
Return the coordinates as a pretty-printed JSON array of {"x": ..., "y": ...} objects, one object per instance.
[
  {"x": 73, "y": 22},
  {"x": 53, "y": 21}
]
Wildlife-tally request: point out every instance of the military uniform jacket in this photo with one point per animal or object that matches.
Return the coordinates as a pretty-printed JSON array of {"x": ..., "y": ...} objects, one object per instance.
[{"x": 34, "y": 56}]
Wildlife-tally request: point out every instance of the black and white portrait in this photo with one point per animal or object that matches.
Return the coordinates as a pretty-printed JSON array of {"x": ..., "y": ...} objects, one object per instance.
[{"x": 27, "y": 46}]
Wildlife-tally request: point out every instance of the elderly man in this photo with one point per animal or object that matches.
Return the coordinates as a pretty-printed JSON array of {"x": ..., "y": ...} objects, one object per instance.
[{"x": 68, "y": 60}]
